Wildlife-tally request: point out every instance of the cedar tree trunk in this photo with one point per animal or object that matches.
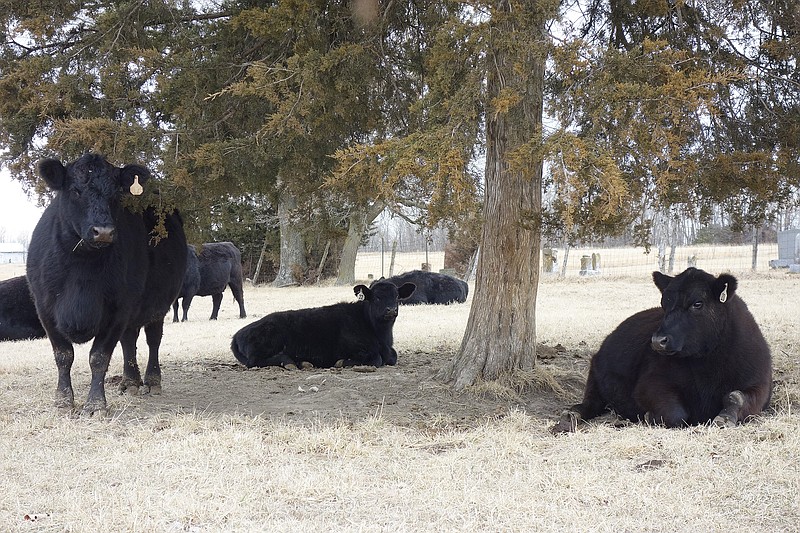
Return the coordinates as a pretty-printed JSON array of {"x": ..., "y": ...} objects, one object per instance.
[
  {"x": 357, "y": 224},
  {"x": 293, "y": 254},
  {"x": 500, "y": 335}
]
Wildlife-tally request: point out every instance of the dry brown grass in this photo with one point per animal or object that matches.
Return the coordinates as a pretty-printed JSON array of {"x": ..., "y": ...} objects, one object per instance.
[{"x": 221, "y": 466}]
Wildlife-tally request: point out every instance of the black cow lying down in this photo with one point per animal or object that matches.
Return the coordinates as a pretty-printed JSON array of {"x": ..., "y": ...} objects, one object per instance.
[
  {"x": 432, "y": 287},
  {"x": 698, "y": 358},
  {"x": 18, "y": 319},
  {"x": 343, "y": 334}
]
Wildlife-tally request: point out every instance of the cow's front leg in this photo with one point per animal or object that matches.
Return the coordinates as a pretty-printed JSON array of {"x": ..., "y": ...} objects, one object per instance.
[
  {"x": 64, "y": 356},
  {"x": 99, "y": 358},
  {"x": 738, "y": 405},
  {"x": 131, "y": 377},
  {"x": 96, "y": 402},
  {"x": 731, "y": 405},
  {"x": 216, "y": 301},
  {"x": 661, "y": 405},
  {"x": 365, "y": 358}
]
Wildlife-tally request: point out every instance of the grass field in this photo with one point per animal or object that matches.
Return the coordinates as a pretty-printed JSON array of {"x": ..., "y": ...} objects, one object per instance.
[{"x": 229, "y": 449}]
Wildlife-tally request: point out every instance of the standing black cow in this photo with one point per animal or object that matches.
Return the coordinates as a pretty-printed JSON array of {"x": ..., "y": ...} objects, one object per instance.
[
  {"x": 99, "y": 270},
  {"x": 432, "y": 287},
  {"x": 350, "y": 333},
  {"x": 219, "y": 264},
  {"x": 700, "y": 357},
  {"x": 18, "y": 319}
]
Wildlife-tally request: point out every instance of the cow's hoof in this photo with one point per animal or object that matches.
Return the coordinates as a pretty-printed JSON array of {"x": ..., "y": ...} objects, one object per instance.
[
  {"x": 339, "y": 364},
  {"x": 305, "y": 365},
  {"x": 94, "y": 410},
  {"x": 722, "y": 421},
  {"x": 129, "y": 387},
  {"x": 568, "y": 423},
  {"x": 290, "y": 366},
  {"x": 152, "y": 390},
  {"x": 64, "y": 400}
]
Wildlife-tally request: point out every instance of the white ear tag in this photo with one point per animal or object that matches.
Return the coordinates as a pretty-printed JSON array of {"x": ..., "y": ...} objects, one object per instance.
[
  {"x": 360, "y": 296},
  {"x": 136, "y": 189},
  {"x": 723, "y": 296}
]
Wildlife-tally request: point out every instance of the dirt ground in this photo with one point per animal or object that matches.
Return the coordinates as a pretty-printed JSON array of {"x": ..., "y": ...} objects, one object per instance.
[{"x": 408, "y": 394}]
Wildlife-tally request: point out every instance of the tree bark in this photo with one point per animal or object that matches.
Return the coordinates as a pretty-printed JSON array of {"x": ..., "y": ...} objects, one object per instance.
[
  {"x": 293, "y": 253},
  {"x": 500, "y": 335},
  {"x": 359, "y": 220}
]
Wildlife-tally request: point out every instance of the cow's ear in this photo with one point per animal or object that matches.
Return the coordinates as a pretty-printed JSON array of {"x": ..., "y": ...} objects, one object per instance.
[
  {"x": 362, "y": 292},
  {"x": 406, "y": 290},
  {"x": 724, "y": 287},
  {"x": 53, "y": 173},
  {"x": 661, "y": 280},
  {"x": 132, "y": 178}
]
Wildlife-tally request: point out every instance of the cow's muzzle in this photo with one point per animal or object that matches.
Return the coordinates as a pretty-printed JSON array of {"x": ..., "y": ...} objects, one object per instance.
[
  {"x": 100, "y": 236},
  {"x": 390, "y": 314},
  {"x": 661, "y": 344}
]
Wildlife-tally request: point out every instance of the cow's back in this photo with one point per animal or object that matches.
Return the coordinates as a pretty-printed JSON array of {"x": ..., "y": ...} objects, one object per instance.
[
  {"x": 321, "y": 335},
  {"x": 219, "y": 262},
  {"x": 431, "y": 287}
]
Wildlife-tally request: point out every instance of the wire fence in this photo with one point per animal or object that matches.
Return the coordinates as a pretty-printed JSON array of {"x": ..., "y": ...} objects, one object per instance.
[{"x": 609, "y": 262}]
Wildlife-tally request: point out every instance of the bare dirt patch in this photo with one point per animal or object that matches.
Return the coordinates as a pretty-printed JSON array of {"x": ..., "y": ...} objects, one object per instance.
[{"x": 408, "y": 394}]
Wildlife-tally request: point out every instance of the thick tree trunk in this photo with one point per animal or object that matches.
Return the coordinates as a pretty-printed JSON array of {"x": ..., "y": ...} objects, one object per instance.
[
  {"x": 357, "y": 225},
  {"x": 293, "y": 254},
  {"x": 501, "y": 330}
]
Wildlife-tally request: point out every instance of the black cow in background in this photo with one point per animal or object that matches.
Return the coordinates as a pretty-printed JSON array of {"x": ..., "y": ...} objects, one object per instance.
[
  {"x": 98, "y": 270},
  {"x": 219, "y": 264},
  {"x": 18, "y": 319},
  {"x": 431, "y": 287},
  {"x": 698, "y": 358},
  {"x": 343, "y": 334}
]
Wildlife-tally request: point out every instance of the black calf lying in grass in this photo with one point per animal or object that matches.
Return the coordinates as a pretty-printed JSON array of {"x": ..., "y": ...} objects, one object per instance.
[{"x": 343, "y": 334}]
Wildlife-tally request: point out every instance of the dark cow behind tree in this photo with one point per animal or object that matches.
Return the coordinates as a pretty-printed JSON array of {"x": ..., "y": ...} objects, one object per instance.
[
  {"x": 343, "y": 334},
  {"x": 698, "y": 358},
  {"x": 431, "y": 287},
  {"x": 99, "y": 268},
  {"x": 18, "y": 319},
  {"x": 218, "y": 265}
]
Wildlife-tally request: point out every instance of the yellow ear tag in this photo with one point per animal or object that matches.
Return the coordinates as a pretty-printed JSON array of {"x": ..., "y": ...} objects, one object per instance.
[
  {"x": 723, "y": 296},
  {"x": 136, "y": 189},
  {"x": 360, "y": 296}
]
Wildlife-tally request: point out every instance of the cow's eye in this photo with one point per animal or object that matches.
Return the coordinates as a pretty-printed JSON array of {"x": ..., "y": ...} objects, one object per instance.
[{"x": 697, "y": 305}]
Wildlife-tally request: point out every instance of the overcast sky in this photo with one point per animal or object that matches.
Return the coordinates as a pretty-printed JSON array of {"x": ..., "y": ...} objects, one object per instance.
[{"x": 18, "y": 213}]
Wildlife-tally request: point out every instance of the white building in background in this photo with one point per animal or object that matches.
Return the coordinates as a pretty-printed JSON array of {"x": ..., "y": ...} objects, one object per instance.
[{"x": 12, "y": 253}]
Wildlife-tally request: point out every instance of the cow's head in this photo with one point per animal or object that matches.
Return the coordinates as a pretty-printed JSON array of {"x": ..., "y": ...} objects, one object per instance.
[
  {"x": 695, "y": 310},
  {"x": 382, "y": 298},
  {"x": 90, "y": 190}
]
